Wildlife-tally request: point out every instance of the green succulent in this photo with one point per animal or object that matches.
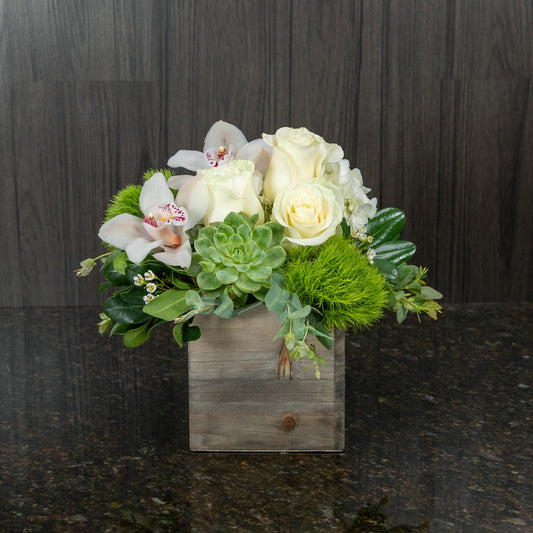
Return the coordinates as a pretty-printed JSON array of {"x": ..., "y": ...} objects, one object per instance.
[{"x": 236, "y": 258}]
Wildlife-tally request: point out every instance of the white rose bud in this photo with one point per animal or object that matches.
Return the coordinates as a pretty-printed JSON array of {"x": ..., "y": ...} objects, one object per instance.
[{"x": 232, "y": 187}]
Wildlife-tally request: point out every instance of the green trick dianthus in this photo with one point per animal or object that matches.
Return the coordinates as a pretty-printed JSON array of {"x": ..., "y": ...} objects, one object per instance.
[{"x": 338, "y": 280}]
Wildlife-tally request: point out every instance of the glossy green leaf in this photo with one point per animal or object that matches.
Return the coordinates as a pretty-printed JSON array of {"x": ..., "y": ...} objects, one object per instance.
[
  {"x": 120, "y": 311},
  {"x": 191, "y": 333},
  {"x": 169, "y": 305},
  {"x": 386, "y": 225},
  {"x": 136, "y": 337},
  {"x": 395, "y": 252}
]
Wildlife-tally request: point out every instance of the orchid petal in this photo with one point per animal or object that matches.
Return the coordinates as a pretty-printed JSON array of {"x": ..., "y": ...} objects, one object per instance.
[
  {"x": 194, "y": 197},
  {"x": 138, "y": 249},
  {"x": 176, "y": 182},
  {"x": 189, "y": 159},
  {"x": 155, "y": 191},
  {"x": 257, "y": 151},
  {"x": 121, "y": 230},
  {"x": 224, "y": 134},
  {"x": 176, "y": 256}
]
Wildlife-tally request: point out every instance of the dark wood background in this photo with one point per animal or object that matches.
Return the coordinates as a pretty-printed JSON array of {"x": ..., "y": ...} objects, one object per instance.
[{"x": 431, "y": 99}]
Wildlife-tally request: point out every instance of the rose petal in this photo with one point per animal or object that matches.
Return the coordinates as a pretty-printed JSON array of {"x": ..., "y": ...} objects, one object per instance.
[
  {"x": 223, "y": 134},
  {"x": 155, "y": 191},
  {"x": 189, "y": 159}
]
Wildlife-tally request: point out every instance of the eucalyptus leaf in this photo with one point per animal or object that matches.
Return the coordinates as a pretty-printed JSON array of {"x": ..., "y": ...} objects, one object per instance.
[
  {"x": 225, "y": 307},
  {"x": 111, "y": 274},
  {"x": 120, "y": 263},
  {"x": 401, "y": 314},
  {"x": 386, "y": 268},
  {"x": 430, "y": 293}
]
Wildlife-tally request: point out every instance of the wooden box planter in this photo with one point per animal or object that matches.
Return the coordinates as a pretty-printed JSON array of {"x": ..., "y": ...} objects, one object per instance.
[{"x": 239, "y": 402}]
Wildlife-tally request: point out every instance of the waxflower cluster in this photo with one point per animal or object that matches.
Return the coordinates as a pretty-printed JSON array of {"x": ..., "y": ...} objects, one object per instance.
[{"x": 250, "y": 217}]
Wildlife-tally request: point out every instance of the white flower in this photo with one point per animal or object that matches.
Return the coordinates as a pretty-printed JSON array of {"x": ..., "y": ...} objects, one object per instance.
[
  {"x": 148, "y": 298},
  {"x": 358, "y": 208},
  {"x": 138, "y": 280},
  {"x": 370, "y": 254},
  {"x": 149, "y": 275},
  {"x": 213, "y": 193},
  {"x": 298, "y": 155},
  {"x": 151, "y": 287},
  {"x": 224, "y": 142},
  {"x": 309, "y": 212},
  {"x": 163, "y": 227}
]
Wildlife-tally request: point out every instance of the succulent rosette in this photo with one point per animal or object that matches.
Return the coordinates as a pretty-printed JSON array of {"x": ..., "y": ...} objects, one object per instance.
[{"x": 237, "y": 257}]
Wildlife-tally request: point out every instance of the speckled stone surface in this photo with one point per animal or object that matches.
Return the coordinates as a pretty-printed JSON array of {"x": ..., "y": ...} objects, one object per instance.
[{"x": 93, "y": 436}]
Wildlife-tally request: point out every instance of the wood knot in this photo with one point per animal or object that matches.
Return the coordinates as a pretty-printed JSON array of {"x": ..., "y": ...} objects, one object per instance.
[{"x": 289, "y": 422}]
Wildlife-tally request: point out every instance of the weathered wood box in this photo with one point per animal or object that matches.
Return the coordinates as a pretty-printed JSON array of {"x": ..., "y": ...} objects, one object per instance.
[{"x": 238, "y": 402}]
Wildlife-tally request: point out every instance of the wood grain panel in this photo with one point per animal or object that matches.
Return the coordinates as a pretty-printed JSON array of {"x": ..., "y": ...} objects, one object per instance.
[
  {"x": 93, "y": 139},
  {"x": 51, "y": 40},
  {"x": 10, "y": 286},
  {"x": 325, "y": 69},
  {"x": 486, "y": 128},
  {"x": 236, "y": 65},
  {"x": 493, "y": 39}
]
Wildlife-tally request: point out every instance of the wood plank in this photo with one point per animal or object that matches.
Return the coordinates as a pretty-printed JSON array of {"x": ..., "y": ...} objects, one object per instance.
[
  {"x": 260, "y": 433},
  {"x": 483, "y": 193},
  {"x": 492, "y": 39},
  {"x": 89, "y": 143},
  {"x": 52, "y": 40},
  {"x": 240, "y": 405}
]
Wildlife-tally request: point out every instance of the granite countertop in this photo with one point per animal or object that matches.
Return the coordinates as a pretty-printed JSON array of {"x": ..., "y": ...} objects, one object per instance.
[{"x": 93, "y": 435}]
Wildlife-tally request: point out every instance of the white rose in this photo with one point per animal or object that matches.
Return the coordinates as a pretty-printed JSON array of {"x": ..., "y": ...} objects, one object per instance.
[
  {"x": 232, "y": 187},
  {"x": 215, "y": 192},
  {"x": 298, "y": 155},
  {"x": 309, "y": 212}
]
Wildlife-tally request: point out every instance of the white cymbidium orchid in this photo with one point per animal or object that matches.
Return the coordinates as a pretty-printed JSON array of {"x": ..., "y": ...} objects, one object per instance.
[
  {"x": 224, "y": 142},
  {"x": 163, "y": 227}
]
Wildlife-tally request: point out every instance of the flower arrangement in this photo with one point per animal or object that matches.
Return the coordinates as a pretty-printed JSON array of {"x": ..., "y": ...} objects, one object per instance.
[{"x": 280, "y": 221}]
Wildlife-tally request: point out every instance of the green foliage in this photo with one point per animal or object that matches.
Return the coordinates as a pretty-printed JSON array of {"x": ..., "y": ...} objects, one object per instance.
[
  {"x": 409, "y": 292},
  {"x": 297, "y": 323},
  {"x": 236, "y": 258},
  {"x": 336, "y": 279},
  {"x": 407, "y": 289},
  {"x": 125, "y": 201}
]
